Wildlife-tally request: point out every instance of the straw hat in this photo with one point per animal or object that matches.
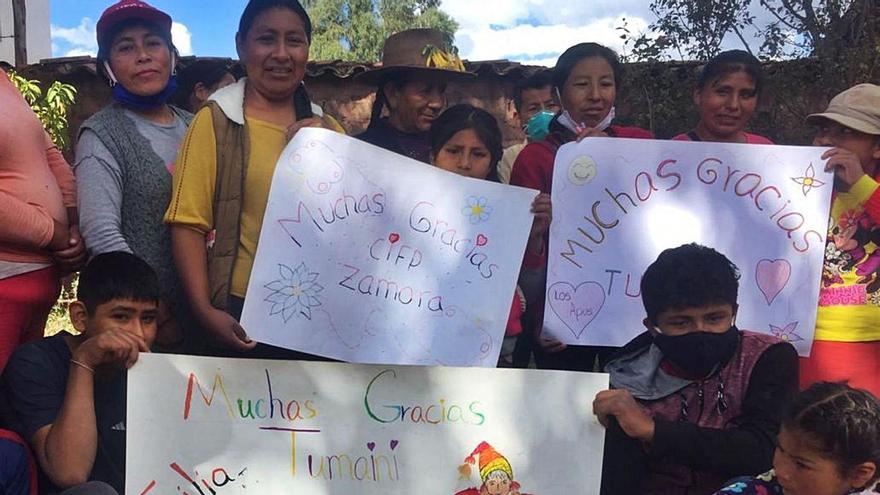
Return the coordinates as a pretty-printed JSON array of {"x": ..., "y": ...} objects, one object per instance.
[{"x": 417, "y": 50}]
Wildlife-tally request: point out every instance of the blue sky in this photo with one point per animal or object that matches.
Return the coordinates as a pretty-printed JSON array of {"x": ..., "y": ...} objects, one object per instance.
[{"x": 528, "y": 31}]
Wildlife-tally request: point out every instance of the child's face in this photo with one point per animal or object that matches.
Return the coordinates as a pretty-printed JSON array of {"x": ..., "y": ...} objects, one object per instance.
[
  {"x": 465, "y": 154},
  {"x": 712, "y": 318},
  {"x": 125, "y": 315},
  {"x": 865, "y": 146},
  {"x": 802, "y": 470}
]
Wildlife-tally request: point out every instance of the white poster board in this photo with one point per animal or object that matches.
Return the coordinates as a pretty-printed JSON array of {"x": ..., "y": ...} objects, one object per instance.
[
  {"x": 369, "y": 256},
  {"x": 212, "y": 426},
  {"x": 617, "y": 203}
]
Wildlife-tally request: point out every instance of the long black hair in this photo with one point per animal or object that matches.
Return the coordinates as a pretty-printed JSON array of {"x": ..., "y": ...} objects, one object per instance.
[
  {"x": 729, "y": 62},
  {"x": 399, "y": 79},
  {"x": 460, "y": 117},
  {"x": 301, "y": 102},
  {"x": 570, "y": 58}
]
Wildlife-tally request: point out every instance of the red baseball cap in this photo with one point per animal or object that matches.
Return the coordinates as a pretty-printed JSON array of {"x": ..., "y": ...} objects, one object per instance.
[{"x": 130, "y": 9}]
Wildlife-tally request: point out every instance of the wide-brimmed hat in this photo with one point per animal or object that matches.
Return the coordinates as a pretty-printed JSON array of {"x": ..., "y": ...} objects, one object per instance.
[
  {"x": 417, "y": 50},
  {"x": 857, "y": 108},
  {"x": 130, "y": 9}
]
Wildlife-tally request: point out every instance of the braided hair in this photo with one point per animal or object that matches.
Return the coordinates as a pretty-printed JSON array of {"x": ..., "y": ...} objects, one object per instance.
[{"x": 843, "y": 422}]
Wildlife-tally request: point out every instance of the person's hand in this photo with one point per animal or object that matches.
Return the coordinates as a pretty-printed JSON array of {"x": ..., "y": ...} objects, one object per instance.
[
  {"x": 113, "y": 347},
  {"x": 60, "y": 237},
  {"x": 73, "y": 257},
  {"x": 549, "y": 345},
  {"x": 589, "y": 132},
  {"x": 542, "y": 208},
  {"x": 293, "y": 128},
  {"x": 227, "y": 331},
  {"x": 631, "y": 416},
  {"x": 846, "y": 166}
]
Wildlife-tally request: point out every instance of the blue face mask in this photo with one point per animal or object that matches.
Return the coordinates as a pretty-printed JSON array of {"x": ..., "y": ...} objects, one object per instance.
[
  {"x": 538, "y": 126},
  {"x": 138, "y": 102}
]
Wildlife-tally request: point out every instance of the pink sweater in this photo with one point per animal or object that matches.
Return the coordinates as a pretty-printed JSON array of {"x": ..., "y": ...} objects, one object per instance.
[{"x": 36, "y": 182}]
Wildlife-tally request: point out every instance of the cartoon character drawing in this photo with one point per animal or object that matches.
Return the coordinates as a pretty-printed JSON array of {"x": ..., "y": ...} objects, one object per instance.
[
  {"x": 853, "y": 247},
  {"x": 496, "y": 474}
]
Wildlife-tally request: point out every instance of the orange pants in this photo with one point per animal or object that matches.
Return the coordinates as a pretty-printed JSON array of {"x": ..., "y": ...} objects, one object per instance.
[{"x": 857, "y": 363}]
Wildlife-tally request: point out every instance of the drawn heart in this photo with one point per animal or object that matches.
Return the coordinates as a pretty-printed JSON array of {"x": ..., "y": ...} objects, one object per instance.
[
  {"x": 577, "y": 306},
  {"x": 394, "y": 237},
  {"x": 393, "y": 444},
  {"x": 482, "y": 240},
  {"x": 371, "y": 446},
  {"x": 772, "y": 276}
]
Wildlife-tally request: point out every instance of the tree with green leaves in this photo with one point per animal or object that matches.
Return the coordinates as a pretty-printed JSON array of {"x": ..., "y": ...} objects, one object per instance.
[
  {"x": 796, "y": 28},
  {"x": 50, "y": 107},
  {"x": 356, "y": 29}
]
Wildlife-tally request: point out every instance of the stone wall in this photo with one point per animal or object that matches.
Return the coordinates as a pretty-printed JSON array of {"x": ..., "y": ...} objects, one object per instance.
[{"x": 656, "y": 96}]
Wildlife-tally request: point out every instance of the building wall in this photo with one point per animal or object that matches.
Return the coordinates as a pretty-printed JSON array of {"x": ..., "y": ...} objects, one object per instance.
[{"x": 39, "y": 37}]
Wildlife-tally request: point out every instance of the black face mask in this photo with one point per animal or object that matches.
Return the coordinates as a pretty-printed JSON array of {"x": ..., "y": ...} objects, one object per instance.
[{"x": 699, "y": 353}]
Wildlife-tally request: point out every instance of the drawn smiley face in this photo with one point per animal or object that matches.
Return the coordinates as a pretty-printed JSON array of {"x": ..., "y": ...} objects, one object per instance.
[{"x": 583, "y": 169}]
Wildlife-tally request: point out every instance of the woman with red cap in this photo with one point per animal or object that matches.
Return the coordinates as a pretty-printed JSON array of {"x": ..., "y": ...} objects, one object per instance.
[
  {"x": 221, "y": 185},
  {"x": 126, "y": 152}
]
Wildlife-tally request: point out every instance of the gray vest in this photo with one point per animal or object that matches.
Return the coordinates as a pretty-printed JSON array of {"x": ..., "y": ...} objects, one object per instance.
[{"x": 146, "y": 185}]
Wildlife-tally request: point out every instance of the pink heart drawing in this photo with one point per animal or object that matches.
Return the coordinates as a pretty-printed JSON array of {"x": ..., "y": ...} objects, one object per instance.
[
  {"x": 393, "y": 444},
  {"x": 577, "y": 306},
  {"x": 482, "y": 240},
  {"x": 394, "y": 237},
  {"x": 772, "y": 276}
]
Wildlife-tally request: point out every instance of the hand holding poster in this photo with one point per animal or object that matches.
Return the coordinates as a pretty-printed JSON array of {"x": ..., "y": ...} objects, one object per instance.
[
  {"x": 368, "y": 256},
  {"x": 619, "y": 202},
  {"x": 241, "y": 426}
]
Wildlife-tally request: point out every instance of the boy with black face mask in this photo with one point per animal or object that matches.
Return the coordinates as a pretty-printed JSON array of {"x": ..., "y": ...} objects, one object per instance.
[{"x": 694, "y": 400}]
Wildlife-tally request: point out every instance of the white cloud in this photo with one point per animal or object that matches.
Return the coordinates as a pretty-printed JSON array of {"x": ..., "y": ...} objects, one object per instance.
[
  {"x": 541, "y": 45},
  {"x": 81, "y": 40},
  {"x": 79, "y": 52},
  {"x": 182, "y": 38},
  {"x": 537, "y": 31}
]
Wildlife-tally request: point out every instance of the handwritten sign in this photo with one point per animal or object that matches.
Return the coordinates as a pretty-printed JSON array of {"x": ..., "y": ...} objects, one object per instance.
[
  {"x": 211, "y": 426},
  {"x": 371, "y": 257},
  {"x": 619, "y": 202}
]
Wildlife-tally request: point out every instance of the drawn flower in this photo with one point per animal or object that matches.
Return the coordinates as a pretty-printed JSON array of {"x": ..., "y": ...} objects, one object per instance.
[
  {"x": 787, "y": 333},
  {"x": 295, "y": 293},
  {"x": 477, "y": 209},
  {"x": 809, "y": 180}
]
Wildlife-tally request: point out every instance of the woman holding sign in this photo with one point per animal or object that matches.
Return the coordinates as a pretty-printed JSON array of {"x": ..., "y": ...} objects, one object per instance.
[
  {"x": 467, "y": 141},
  {"x": 225, "y": 168},
  {"x": 726, "y": 98},
  {"x": 586, "y": 79}
]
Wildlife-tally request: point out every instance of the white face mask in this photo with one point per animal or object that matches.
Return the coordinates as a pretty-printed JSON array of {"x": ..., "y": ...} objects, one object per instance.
[{"x": 576, "y": 127}]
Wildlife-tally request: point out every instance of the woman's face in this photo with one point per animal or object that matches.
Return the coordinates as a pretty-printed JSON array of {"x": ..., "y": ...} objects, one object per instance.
[
  {"x": 726, "y": 105},
  {"x": 589, "y": 91},
  {"x": 274, "y": 52},
  {"x": 415, "y": 105},
  {"x": 465, "y": 154},
  {"x": 802, "y": 470},
  {"x": 140, "y": 60}
]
